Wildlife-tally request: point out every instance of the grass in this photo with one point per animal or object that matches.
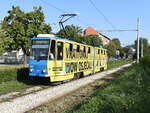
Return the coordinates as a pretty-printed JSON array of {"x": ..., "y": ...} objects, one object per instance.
[
  {"x": 6, "y": 87},
  {"x": 13, "y": 80},
  {"x": 117, "y": 63},
  {"x": 18, "y": 79},
  {"x": 8, "y": 75},
  {"x": 13, "y": 66},
  {"x": 129, "y": 93}
]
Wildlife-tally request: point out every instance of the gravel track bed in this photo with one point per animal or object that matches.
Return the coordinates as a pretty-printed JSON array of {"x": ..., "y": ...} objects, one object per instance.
[
  {"x": 8, "y": 96},
  {"x": 28, "y": 102}
]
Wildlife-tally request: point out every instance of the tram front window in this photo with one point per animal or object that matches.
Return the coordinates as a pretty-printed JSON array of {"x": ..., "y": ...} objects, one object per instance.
[{"x": 39, "y": 50}]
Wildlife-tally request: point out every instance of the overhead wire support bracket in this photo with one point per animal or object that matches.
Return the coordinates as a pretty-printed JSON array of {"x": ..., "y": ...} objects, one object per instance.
[{"x": 62, "y": 20}]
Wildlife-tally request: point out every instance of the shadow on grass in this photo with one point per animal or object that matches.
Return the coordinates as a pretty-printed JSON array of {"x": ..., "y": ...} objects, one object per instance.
[{"x": 23, "y": 76}]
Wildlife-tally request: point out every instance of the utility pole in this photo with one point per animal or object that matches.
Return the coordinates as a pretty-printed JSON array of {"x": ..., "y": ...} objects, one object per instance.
[
  {"x": 141, "y": 47},
  {"x": 138, "y": 35}
]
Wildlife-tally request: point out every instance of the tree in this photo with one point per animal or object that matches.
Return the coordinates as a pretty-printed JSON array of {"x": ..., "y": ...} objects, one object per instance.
[
  {"x": 73, "y": 33},
  {"x": 118, "y": 46},
  {"x": 22, "y": 26},
  {"x": 4, "y": 41},
  {"x": 126, "y": 51},
  {"x": 145, "y": 46},
  {"x": 94, "y": 40},
  {"x": 117, "y": 43},
  {"x": 111, "y": 49}
]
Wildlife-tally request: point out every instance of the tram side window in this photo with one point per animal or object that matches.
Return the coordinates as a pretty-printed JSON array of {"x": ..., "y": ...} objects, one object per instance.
[
  {"x": 101, "y": 51},
  {"x": 78, "y": 48},
  {"x": 59, "y": 50},
  {"x": 71, "y": 47},
  {"x": 89, "y": 50},
  {"x": 84, "y": 49},
  {"x": 98, "y": 51},
  {"x": 52, "y": 50}
]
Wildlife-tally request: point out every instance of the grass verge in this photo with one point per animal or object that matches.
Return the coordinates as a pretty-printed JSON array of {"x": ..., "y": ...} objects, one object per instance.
[
  {"x": 13, "y": 80},
  {"x": 117, "y": 63},
  {"x": 129, "y": 93}
]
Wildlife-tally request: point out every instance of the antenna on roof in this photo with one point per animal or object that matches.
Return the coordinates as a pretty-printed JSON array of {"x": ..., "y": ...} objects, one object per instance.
[{"x": 62, "y": 20}]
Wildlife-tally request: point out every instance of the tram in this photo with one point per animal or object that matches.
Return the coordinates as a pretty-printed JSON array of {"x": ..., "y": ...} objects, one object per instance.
[{"x": 61, "y": 59}]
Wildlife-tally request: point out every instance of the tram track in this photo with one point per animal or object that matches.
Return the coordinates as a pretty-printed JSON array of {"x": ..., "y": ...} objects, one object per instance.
[{"x": 30, "y": 101}]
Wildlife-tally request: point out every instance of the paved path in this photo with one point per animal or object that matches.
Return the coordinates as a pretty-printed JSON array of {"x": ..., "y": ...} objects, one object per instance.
[{"x": 25, "y": 103}]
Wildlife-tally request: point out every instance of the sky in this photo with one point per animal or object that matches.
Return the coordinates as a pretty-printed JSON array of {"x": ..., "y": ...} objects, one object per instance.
[{"x": 113, "y": 14}]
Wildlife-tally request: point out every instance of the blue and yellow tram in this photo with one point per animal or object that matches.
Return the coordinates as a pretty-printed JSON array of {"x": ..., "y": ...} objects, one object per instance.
[{"x": 63, "y": 59}]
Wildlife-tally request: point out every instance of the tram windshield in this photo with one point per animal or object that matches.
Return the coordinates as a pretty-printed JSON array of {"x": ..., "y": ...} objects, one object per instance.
[{"x": 39, "y": 49}]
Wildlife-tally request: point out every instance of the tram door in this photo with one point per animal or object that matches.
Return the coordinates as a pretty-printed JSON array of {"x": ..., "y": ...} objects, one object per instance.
[
  {"x": 59, "y": 61},
  {"x": 52, "y": 58}
]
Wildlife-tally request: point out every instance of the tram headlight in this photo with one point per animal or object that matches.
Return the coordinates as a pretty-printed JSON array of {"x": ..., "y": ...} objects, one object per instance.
[
  {"x": 44, "y": 70},
  {"x": 31, "y": 70}
]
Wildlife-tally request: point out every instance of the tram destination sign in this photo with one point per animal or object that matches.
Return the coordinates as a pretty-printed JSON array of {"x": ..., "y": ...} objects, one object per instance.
[{"x": 40, "y": 46}]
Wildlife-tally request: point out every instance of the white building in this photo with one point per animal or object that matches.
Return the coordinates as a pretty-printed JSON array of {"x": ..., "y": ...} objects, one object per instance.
[{"x": 15, "y": 57}]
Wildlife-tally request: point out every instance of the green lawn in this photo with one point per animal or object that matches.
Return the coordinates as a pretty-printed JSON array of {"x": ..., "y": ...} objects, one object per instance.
[
  {"x": 129, "y": 93},
  {"x": 13, "y": 80},
  {"x": 6, "y": 87},
  {"x": 18, "y": 79},
  {"x": 117, "y": 63}
]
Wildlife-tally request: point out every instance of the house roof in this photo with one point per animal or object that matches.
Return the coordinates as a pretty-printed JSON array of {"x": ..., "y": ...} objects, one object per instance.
[{"x": 91, "y": 31}]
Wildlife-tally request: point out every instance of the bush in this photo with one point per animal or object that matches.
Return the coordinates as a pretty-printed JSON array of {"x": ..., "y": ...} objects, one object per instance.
[
  {"x": 23, "y": 75},
  {"x": 145, "y": 61},
  {"x": 8, "y": 75},
  {"x": 14, "y": 74}
]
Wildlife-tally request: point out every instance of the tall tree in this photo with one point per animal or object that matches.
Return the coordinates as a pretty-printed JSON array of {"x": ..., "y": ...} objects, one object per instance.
[
  {"x": 4, "y": 41},
  {"x": 73, "y": 33},
  {"x": 118, "y": 47},
  {"x": 145, "y": 46},
  {"x": 111, "y": 49},
  {"x": 126, "y": 51},
  {"x": 117, "y": 43},
  {"x": 22, "y": 26},
  {"x": 95, "y": 40}
]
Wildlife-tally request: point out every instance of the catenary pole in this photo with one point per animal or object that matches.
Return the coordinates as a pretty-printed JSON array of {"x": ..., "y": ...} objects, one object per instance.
[
  {"x": 138, "y": 35},
  {"x": 141, "y": 47}
]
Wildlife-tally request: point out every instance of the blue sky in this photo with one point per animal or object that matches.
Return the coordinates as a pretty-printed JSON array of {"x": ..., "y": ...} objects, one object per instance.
[{"x": 121, "y": 13}]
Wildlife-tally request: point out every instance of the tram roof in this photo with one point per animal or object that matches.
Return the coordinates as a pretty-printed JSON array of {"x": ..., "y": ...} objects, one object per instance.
[
  {"x": 49, "y": 38},
  {"x": 58, "y": 38}
]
